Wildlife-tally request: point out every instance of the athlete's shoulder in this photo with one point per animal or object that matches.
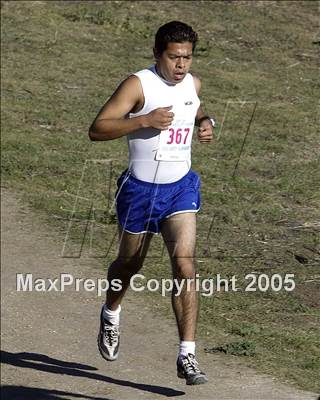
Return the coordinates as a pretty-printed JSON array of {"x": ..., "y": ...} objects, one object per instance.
[
  {"x": 129, "y": 84},
  {"x": 130, "y": 89},
  {"x": 131, "y": 80}
]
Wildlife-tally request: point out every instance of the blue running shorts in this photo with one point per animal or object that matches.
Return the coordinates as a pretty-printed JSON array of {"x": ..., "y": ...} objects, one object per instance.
[{"x": 142, "y": 206}]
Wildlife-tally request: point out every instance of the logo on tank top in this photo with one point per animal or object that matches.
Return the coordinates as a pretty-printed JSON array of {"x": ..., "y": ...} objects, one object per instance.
[{"x": 188, "y": 103}]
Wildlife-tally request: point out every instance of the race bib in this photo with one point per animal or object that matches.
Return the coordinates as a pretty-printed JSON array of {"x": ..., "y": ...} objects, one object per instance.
[{"x": 175, "y": 142}]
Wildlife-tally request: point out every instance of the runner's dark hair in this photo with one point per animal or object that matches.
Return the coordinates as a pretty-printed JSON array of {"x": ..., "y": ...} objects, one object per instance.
[{"x": 176, "y": 32}]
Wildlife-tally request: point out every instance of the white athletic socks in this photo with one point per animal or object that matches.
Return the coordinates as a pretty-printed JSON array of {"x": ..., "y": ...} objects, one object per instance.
[
  {"x": 112, "y": 316},
  {"x": 187, "y": 347}
]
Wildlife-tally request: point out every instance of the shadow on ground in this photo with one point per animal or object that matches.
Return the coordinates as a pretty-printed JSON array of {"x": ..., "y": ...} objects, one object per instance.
[
  {"x": 44, "y": 363},
  {"x": 22, "y": 392}
]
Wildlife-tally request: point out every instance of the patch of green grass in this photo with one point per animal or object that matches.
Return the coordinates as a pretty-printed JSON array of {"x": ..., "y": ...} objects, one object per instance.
[
  {"x": 243, "y": 348},
  {"x": 260, "y": 214}
]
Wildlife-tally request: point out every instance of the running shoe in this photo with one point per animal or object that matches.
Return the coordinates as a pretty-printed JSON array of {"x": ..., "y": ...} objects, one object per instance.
[
  {"x": 188, "y": 369},
  {"x": 108, "y": 339}
]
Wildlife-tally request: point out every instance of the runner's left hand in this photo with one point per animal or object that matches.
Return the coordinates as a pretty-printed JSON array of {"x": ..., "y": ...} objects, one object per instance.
[{"x": 205, "y": 132}]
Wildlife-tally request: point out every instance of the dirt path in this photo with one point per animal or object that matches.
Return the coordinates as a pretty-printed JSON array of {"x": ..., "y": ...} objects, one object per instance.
[{"x": 49, "y": 339}]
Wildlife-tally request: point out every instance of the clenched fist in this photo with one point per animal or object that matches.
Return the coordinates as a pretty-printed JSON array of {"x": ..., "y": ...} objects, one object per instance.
[
  {"x": 160, "y": 118},
  {"x": 205, "y": 132}
]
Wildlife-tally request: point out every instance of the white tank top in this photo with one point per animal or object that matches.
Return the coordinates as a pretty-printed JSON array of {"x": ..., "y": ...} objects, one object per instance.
[{"x": 164, "y": 156}]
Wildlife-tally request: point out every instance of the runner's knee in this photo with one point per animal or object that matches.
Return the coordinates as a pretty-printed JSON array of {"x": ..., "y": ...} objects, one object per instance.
[
  {"x": 129, "y": 264},
  {"x": 183, "y": 268}
]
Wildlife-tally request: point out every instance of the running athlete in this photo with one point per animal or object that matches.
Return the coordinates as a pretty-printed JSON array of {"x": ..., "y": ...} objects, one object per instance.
[{"x": 157, "y": 108}]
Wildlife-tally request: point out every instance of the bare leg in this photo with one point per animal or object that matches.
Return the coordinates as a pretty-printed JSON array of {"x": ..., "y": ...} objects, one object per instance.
[
  {"x": 132, "y": 252},
  {"x": 179, "y": 234}
]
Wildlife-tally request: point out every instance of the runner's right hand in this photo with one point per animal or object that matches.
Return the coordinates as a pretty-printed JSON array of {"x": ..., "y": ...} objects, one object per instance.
[{"x": 160, "y": 118}]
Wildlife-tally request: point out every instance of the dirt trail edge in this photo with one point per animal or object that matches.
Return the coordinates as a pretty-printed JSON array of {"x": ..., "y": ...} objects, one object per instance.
[{"x": 49, "y": 338}]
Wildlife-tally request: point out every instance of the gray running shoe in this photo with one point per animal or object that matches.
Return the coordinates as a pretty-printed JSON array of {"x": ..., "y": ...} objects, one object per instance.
[
  {"x": 108, "y": 339},
  {"x": 188, "y": 369}
]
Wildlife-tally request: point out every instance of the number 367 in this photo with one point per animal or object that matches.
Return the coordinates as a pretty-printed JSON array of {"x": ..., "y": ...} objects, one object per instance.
[{"x": 176, "y": 136}]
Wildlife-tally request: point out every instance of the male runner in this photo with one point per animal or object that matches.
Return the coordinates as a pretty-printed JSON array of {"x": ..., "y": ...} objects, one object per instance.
[{"x": 156, "y": 108}]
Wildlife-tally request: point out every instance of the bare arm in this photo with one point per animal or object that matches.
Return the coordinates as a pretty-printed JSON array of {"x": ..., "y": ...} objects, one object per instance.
[
  {"x": 112, "y": 122},
  {"x": 205, "y": 131},
  {"x": 197, "y": 84}
]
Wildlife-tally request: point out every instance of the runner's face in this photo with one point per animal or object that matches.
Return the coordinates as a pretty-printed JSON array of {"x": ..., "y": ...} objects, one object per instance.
[{"x": 175, "y": 62}]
